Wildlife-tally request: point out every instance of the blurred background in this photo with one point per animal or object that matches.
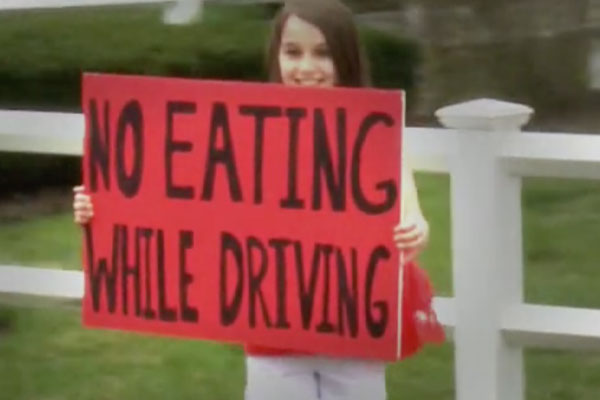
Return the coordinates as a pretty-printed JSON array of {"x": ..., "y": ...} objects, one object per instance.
[{"x": 543, "y": 53}]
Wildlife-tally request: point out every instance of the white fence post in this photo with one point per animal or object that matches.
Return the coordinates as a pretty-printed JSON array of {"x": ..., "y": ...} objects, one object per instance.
[{"x": 486, "y": 248}]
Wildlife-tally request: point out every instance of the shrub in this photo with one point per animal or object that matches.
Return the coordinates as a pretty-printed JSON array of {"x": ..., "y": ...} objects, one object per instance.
[{"x": 45, "y": 53}]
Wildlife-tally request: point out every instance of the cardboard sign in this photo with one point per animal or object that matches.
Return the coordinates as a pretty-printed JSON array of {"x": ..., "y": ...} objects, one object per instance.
[{"x": 244, "y": 212}]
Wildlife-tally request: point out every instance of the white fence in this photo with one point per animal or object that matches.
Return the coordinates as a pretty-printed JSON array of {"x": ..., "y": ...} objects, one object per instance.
[{"x": 486, "y": 155}]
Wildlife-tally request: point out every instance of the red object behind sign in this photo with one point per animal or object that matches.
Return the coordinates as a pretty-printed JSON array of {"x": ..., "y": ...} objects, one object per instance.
[{"x": 244, "y": 212}]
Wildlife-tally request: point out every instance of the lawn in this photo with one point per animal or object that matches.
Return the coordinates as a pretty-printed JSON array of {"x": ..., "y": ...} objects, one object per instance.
[{"x": 47, "y": 354}]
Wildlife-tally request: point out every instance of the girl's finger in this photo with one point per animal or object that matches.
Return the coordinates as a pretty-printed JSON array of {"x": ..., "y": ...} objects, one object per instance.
[
  {"x": 83, "y": 214},
  {"x": 418, "y": 242},
  {"x": 83, "y": 218},
  {"x": 82, "y": 206},
  {"x": 79, "y": 203},
  {"x": 404, "y": 228},
  {"x": 82, "y": 197},
  {"x": 408, "y": 236},
  {"x": 79, "y": 189}
]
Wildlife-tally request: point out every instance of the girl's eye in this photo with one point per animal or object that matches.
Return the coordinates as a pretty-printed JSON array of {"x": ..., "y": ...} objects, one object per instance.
[
  {"x": 292, "y": 51},
  {"x": 322, "y": 52}
]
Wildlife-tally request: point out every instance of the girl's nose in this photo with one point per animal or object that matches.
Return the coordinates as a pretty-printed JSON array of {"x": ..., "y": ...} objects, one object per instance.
[{"x": 306, "y": 64}]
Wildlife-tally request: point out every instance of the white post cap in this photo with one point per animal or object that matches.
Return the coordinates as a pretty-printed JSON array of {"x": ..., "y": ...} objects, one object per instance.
[{"x": 485, "y": 115}]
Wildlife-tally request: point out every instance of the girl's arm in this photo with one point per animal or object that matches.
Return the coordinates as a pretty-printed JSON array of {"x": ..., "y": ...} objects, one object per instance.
[
  {"x": 409, "y": 202},
  {"x": 412, "y": 234}
]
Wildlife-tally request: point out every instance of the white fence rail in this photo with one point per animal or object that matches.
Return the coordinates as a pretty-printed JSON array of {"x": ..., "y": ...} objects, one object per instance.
[{"x": 486, "y": 155}]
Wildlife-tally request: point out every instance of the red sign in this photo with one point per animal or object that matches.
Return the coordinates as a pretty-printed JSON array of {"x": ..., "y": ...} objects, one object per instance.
[{"x": 244, "y": 212}]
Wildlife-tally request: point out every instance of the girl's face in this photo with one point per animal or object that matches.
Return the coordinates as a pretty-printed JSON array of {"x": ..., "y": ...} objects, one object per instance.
[{"x": 304, "y": 58}]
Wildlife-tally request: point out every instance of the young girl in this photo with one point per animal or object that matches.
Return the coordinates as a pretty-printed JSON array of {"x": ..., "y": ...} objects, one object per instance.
[{"x": 315, "y": 43}]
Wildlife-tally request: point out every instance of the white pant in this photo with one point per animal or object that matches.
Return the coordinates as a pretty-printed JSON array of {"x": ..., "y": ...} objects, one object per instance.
[{"x": 313, "y": 378}]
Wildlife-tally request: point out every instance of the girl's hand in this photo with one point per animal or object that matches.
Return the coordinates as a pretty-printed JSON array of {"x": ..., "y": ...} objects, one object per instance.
[
  {"x": 411, "y": 237},
  {"x": 82, "y": 206}
]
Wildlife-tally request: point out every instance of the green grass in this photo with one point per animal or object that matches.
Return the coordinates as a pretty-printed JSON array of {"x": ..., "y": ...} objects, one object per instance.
[
  {"x": 49, "y": 356},
  {"x": 46, "y": 353},
  {"x": 561, "y": 231},
  {"x": 48, "y": 241}
]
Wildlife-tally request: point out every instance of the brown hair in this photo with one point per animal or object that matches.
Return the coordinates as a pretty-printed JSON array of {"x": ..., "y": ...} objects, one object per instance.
[{"x": 336, "y": 22}]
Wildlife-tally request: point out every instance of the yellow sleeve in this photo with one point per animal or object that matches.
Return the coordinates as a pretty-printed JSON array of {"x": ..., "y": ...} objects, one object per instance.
[{"x": 409, "y": 195}]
